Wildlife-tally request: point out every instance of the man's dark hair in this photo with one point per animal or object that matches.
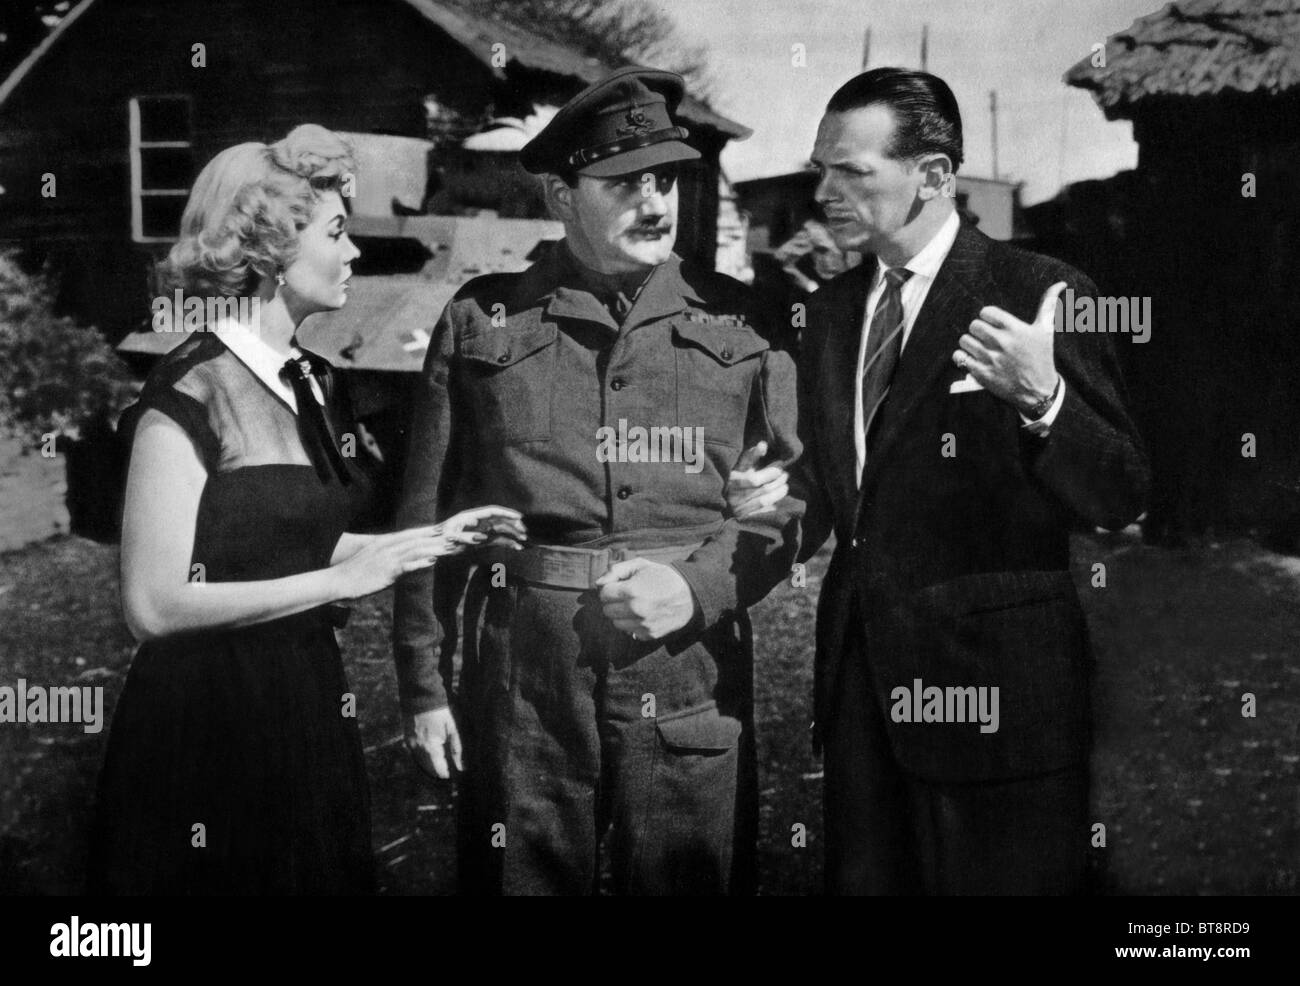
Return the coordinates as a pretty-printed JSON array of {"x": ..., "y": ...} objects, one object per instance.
[{"x": 926, "y": 117}]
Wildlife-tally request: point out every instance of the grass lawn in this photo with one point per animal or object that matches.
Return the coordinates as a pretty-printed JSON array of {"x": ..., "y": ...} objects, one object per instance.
[{"x": 1195, "y": 797}]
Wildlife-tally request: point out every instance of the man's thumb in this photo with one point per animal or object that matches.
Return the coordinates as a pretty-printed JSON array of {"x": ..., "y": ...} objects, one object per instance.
[
  {"x": 752, "y": 456},
  {"x": 1047, "y": 307},
  {"x": 620, "y": 571}
]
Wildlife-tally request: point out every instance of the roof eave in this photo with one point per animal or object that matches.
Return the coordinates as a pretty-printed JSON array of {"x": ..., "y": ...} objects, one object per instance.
[
  {"x": 1084, "y": 75},
  {"x": 459, "y": 27},
  {"x": 15, "y": 78}
]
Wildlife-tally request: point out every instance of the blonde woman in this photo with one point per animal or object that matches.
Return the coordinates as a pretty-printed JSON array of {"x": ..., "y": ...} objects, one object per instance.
[{"x": 234, "y": 765}]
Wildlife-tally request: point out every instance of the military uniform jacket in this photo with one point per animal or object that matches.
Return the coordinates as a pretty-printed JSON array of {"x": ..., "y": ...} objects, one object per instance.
[{"x": 531, "y": 397}]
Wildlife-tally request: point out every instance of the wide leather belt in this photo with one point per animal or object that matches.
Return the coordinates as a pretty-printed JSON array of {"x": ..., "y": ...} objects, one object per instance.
[{"x": 578, "y": 568}]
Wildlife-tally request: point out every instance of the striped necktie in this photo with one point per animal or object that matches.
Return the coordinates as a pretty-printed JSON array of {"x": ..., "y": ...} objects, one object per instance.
[{"x": 884, "y": 345}]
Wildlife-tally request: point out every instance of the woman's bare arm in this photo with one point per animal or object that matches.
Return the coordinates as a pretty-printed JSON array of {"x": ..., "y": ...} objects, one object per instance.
[
  {"x": 349, "y": 544},
  {"x": 159, "y": 598}
]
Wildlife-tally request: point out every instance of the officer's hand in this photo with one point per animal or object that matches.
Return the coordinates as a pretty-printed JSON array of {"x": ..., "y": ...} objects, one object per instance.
[
  {"x": 1012, "y": 359},
  {"x": 751, "y": 491},
  {"x": 646, "y": 599},
  {"x": 430, "y": 736}
]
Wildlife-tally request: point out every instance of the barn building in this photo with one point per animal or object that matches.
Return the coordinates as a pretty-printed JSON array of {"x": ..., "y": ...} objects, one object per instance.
[
  {"x": 104, "y": 125},
  {"x": 1209, "y": 224}
]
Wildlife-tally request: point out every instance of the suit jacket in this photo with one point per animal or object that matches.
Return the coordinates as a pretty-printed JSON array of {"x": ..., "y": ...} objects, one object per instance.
[{"x": 953, "y": 555}]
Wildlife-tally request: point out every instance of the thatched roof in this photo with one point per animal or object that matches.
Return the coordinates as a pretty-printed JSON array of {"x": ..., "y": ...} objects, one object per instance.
[{"x": 1197, "y": 48}]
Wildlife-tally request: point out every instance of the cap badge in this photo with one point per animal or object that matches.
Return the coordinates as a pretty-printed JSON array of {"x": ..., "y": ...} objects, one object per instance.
[{"x": 638, "y": 124}]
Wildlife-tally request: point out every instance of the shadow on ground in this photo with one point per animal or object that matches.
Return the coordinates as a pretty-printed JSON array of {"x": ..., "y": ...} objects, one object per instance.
[{"x": 1194, "y": 797}]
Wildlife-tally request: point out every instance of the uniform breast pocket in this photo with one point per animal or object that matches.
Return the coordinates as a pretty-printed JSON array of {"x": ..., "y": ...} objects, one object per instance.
[
  {"x": 716, "y": 371},
  {"x": 509, "y": 382}
]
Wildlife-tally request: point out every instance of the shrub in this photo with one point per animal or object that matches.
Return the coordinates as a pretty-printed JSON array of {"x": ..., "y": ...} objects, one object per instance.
[{"x": 55, "y": 376}]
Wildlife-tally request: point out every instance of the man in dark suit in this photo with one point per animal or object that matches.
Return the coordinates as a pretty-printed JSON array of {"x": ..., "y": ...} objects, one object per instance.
[{"x": 952, "y": 439}]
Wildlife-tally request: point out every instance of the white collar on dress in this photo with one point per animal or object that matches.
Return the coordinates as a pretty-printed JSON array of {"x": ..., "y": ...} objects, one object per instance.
[{"x": 254, "y": 352}]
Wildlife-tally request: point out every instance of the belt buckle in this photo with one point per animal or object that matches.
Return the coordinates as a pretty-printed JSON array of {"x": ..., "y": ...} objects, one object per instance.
[
  {"x": 601, "y": 560},
  {"x": 612, "y": 556},
  {"x": 571, "y": 568},
  {"x": 560, "y": 567}
]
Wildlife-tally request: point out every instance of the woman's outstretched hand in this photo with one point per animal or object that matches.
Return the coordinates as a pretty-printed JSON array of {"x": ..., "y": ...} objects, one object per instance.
[
  {"x": 385, "y": 558},
  {"x": 498, "y": 525}
]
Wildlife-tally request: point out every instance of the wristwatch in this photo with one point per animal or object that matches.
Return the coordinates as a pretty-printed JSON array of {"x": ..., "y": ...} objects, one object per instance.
[{"x": 1045, "y": 405}]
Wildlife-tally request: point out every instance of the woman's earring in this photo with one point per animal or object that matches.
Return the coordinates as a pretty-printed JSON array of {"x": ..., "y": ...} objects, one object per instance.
[{"x": 279, "y": 279}]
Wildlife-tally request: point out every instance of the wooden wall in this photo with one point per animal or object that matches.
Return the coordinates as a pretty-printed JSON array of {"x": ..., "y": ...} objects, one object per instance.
[
  {"x": 354, "y": 65},
  {"x": 1221, "y": 270}
]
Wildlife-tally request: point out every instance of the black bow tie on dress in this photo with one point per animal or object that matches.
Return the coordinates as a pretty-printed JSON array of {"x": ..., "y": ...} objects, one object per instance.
[{"x": 314, "y": 426}]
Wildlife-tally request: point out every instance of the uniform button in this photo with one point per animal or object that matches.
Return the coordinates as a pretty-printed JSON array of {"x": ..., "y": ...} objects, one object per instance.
[
  {"x": 624, "y": 493},
  {"x": 853, "y": 543},
  {"x": 504, "y": 357},
  {"x": 617, "y": 383}
]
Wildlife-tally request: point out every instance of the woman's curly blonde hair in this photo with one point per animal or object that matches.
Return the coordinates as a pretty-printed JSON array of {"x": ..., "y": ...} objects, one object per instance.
[{"x": 246, "y": 208}]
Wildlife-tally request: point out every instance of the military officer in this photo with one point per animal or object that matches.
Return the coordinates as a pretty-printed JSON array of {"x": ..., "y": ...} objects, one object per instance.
[{"x": 606, "y": 666}]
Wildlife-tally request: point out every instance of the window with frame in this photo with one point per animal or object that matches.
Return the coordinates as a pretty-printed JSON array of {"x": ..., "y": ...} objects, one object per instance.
[{"x": 162, "y": 166}]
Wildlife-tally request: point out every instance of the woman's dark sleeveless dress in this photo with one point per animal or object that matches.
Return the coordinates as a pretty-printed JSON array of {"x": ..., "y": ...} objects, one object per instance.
[{"x": 231, "y": 767}]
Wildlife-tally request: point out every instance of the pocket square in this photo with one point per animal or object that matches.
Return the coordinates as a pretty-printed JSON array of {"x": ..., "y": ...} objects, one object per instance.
[{"x": 965, "y": 385}]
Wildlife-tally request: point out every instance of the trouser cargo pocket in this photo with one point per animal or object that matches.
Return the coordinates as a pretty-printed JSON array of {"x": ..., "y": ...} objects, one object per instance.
[
  {"x": 689, "y": 826},
  {"x": 702, "y": 731}
]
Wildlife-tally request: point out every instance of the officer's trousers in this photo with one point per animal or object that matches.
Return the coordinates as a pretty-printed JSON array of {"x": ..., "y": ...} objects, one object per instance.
[{"x": 575, "y": 733}]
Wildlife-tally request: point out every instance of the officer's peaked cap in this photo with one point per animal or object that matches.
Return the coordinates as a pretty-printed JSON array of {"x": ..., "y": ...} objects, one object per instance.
[{"x": 620, "y": 125}]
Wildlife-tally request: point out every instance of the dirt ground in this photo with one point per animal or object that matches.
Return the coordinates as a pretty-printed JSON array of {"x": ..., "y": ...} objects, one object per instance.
[
  {"x": 1196, "y": 799},
  {"x": 31, "y": 496}
]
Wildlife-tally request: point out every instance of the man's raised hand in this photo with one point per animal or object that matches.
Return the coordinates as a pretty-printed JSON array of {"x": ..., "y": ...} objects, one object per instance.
[{"x": 1012, "y": 359}]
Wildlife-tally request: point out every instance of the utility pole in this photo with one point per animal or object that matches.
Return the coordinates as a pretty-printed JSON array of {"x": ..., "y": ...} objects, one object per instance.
[
  {"x": 1065, "y": 130},
  {"x": 866, "y": 49},
  {"x": 925, "y": 46},
  {"x": 993, "y": 111}
]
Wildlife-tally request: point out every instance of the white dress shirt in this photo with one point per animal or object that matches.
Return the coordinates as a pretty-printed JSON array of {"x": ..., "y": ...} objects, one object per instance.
[
  {"x": 924, "y": 267},
  {"x": 265, "y": 362}
]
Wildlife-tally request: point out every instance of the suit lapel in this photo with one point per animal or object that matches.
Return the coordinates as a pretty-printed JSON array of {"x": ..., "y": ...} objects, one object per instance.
[
  {"x": 960, "y": 289},
  {"x": 837, "y": 379}
]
